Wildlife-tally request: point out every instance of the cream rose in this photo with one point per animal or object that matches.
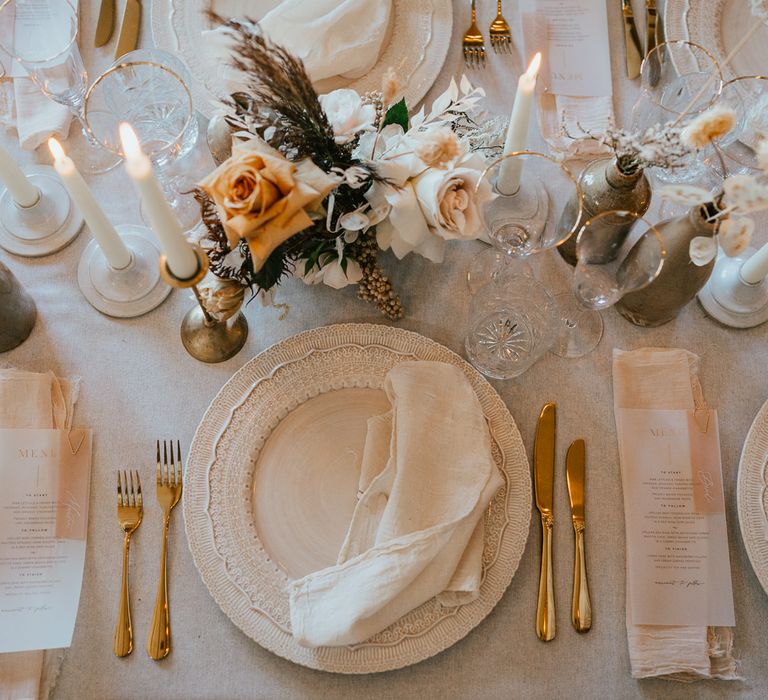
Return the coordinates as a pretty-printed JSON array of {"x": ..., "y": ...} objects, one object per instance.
[
  {"x": 264, "y": 198},
  {"x": 347, "y": 114}
]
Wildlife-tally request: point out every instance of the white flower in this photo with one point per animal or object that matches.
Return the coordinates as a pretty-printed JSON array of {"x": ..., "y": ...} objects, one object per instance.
[
  {"x": 330, "y": 271},
  {"x": 347, "y": 114},
  {"x": 762, "y": 154},
  {"x": 222, "y": 298},
  {"x": 702, "y": 250},
  {"x": 745, "y": 193},
  {"x": 685, "y": 194},
  {"x": 708, "y": 126},
  {"x": 735, "y": 235},
  {"x": 437, "y": 147}
]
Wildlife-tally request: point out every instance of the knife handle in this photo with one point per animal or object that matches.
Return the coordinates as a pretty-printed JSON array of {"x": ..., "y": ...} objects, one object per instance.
[
  {"x": 545, "y": 608},
  {"x": 581, "y": 607}
]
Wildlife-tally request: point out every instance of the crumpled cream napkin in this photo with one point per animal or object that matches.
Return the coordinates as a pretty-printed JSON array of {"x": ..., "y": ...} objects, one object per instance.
[
  {"x": 427, "y": 476},
  {"x": 667, "y": 379},
  {"x": 332, "y": 37},
  {"x": 32, "y": 400}
]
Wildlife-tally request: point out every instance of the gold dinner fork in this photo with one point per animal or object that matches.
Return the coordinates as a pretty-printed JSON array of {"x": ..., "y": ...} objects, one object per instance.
[
  {"x": 168, "y": 494},
  {"x": 501, "y": 36},
  {"x": 129, "y": 513},
  {"x": 474, "y": 46}
]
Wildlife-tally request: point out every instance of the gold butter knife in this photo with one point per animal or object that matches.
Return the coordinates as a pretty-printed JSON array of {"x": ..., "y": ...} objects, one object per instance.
[
  {"x": 106, "y": 24},
  {"x": 581, "y": 607},
  {"x": 650, "y": 26},
  {"x": 631, "y": 41},
  {"x": 129, "y": 28},
  {"x": 544, "y": 479}
]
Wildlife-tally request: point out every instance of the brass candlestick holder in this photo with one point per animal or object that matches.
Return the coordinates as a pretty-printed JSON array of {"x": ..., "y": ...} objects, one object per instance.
[{"x": 203, "y": 336}]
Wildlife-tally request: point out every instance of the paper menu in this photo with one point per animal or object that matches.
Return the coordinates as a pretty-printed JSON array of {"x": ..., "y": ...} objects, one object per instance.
[
  {"x": 45, "y": 477},
  {"x": 572, "y": 36},
  {"x": 678, "y": 567}
]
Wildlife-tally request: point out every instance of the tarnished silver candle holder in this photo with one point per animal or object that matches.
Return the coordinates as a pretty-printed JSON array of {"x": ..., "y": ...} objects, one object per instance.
[{"x": 203, "y": 336}]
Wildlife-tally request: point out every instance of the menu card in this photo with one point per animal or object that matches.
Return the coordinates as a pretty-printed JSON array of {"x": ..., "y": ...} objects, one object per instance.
[
  {"x": 677, "y": 560},
  {"x": 572, "y": 36},
  {"x": 45, "y": 477}
]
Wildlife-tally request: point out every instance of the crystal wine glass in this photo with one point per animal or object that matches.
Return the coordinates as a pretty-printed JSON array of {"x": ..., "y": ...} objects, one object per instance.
[
  {"x": 605, "y": 271},
  {"x": 41, "y": 35},
  {"x": 526, "y": 222},
  {"x": 157, "y": 102}
]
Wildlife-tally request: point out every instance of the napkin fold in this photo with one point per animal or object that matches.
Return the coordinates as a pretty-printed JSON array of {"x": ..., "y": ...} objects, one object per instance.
[
  {"x": 667, "y": 379},
  {"x": 32, "y": 400},
  {"x": 331, "y": 37},
  {"x": 427, "y": 475}
]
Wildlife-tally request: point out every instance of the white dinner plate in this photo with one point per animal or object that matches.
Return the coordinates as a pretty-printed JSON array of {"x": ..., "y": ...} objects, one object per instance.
[
  {"x": 271, "y": 483},
  {"x": 417, "y": 44},
  {"x": 752, "y": 495}
]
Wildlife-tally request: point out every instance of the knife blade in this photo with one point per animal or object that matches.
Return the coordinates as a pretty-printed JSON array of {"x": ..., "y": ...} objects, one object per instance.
[
  {"x": 129, "y": 28},
  {"x": 106, "y": 23},
  {"x": 650, "y": 26},
  {"x": 581, "y": 606},
  {"x": 544, "y": 479},
  {"x": 631, "y": 41}
]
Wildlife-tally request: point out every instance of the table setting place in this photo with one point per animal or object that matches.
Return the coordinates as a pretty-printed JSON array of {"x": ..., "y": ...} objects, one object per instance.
[{"x": 461, "y": 392}]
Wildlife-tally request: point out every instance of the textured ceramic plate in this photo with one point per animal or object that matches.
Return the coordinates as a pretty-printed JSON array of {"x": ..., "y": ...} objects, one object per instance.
[
  {"x": 271, "y": 482},
  {"x": 419, "y": 36},
  {"x": 752, "y": 495},
  {"x": 718, "y": 25}
]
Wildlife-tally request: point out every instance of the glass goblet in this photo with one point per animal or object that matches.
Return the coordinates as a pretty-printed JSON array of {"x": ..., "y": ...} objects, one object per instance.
[
  {"x": 604, "y": 273},
  {"x": 41, "y": 35},
  {"x": 748, "y": 96},
  {"x": 156, "y": 101},
  {"x": 527, "y": 221}
]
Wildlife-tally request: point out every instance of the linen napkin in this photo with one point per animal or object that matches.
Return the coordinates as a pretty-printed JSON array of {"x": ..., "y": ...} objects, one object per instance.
[
  {"x": 31, "y": 400},
  {"x": 427, "y": 475},
  {"x": 331, "y": 37},
  {"x": 667, "y": 379}
]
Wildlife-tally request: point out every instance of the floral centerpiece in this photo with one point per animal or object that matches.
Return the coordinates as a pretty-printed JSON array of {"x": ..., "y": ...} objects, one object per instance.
[{"x": 318, "y": 185}]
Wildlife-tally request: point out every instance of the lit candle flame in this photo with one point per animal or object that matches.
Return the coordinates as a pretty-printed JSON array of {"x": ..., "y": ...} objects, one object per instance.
[
  {"x": 131, "y": 144},
  {"x": 533, "y": 69},
  {"x": 57, "y": 150}
]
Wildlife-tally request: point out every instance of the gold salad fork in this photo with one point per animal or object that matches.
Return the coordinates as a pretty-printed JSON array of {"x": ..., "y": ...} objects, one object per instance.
[
  {"x": 168, "y": 494},
  {"x": 129, "y": 514},
  {"x": 473, "y": 44},
  {"x": 501, "y": 36}
]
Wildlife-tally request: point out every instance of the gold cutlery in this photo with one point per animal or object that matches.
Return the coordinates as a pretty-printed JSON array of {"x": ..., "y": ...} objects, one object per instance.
[
  {"x": 501, "y": 36},
  {"x": 168, "y": 494},
  {"x": 544, "y": 479},
  {"x": 129, "y": 514},
  {"x": 651, "y": 30},
  {"x": 581, "y": 607},
  {"x": 631, "y": 41},
  {"x": 473, "y": 44},
  {"x": 129, "y": 28},
  {"x": 106, "y": 24}
]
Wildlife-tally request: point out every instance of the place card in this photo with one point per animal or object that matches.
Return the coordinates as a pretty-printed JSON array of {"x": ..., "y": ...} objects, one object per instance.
[
  {"x": 45, "y": 477},
  {"x": 678, "y": 570},
  {"x": 572, "y": 36}
]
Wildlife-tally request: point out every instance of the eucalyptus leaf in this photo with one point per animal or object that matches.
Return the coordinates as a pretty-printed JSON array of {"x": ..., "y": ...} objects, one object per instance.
[{"x": 397, "y": 114}]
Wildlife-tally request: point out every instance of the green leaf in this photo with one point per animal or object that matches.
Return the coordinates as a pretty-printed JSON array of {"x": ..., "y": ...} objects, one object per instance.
[
  {"x": 397, "y": 114},
  {"x": 273, "y": 270}
]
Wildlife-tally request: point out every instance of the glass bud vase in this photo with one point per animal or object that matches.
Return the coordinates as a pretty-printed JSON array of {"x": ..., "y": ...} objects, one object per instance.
[
  {"x": 17, "y": 311},
  {"x": 679, "y": 280},
  {"x": 605, "y": 188}
]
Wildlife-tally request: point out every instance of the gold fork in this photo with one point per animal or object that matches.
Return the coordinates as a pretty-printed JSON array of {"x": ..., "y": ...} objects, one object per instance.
[
  {"x": 168, "y": 494},
  {"x": 501, "y": 36},
  {"x": 473, "y": 44},
  {"x": 129, "y": 514}
]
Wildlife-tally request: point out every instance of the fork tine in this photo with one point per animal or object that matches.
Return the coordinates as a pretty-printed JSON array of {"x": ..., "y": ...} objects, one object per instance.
[
  {"x": 166, "y": 478},
  {"x": 132, "y": 499},
  {"x": 178, "y": 463},
  {"x": 138, "y": 490},
  {"x": 170, "y": 468},
  {"x": 119, "y": 491},
  {"x": 159, "y": 479}
]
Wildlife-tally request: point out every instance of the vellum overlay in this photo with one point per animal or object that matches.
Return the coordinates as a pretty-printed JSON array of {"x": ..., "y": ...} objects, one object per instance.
[
  {"x": 677, "y": 560},
  {"x": 45, "y": 477}
]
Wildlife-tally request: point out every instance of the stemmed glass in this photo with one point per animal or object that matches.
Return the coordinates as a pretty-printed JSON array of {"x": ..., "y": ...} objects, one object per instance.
[
  {"x": 157, "y": 102},
  {"x": 679, "y": 81},
  {"x": 41, "y": 35},
  {"x": 604, "y": 273},
  {"x": 526, "y": 222}
]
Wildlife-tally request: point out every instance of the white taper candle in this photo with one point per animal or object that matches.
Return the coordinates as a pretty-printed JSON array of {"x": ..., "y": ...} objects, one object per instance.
[
  {"x": 755, "y": 269},
  {"x": 179, "y": 254},
  {"x": 24, "y": 193}
]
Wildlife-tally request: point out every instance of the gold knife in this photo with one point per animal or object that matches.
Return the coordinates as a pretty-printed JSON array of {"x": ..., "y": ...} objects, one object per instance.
[
  {"x": 544, "y": 479},
  {"x": 129, "y": 28},
  {"x": 631, "y": 41},
  {"x": 581, "y": 607},
  {"x": 106, "y": 24},
  {"x": 650, "y": 26}
]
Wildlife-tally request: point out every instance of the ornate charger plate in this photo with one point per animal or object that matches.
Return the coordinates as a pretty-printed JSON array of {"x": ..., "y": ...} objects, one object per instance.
[
  {"x": 236, "y": 470},
  {"x": 419, "y": 37},
  {"x": 752, "y": 495}
]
